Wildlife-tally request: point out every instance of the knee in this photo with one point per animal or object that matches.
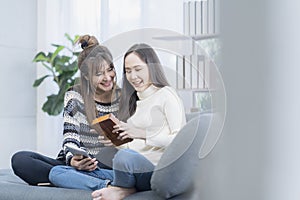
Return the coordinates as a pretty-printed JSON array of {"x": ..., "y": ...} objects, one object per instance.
[
  {"x": 57, "y": 170},
  {"x": 123, "y": 160},
  {"x": 18, "y": 159},
  {"x": 55, "y": 173},
  {"x": 17, "y": 156}
]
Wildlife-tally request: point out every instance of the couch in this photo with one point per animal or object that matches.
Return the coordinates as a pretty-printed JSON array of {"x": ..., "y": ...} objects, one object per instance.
[{"x": 172, "y": 178}]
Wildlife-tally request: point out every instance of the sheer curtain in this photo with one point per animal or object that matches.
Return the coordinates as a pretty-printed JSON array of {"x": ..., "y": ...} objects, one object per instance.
[{"x": 126, "y": 15}]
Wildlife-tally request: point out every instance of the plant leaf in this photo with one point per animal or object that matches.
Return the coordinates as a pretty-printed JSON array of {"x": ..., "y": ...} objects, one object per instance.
[
  {"x": 60, "y": 63},
  {"x": 76, "y": 38},
  {"x": 68, "y": 37},
  {"x": 40, "y": 57},
  {"x": 63, "y": 69},
  {"x": 37, "y": 82},
  {"x": 71, "y": 67},
  {"x": 56, "y": 52},
  {"x": 54, "y": 104},
  {"x": 56, "y": 45},
  {"x": 73, "y": 41}
]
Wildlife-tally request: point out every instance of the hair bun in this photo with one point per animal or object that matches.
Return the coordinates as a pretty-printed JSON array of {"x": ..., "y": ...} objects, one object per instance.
[
  {"x": 84, "y": 44},
  {"x": 87, "y": 41}
]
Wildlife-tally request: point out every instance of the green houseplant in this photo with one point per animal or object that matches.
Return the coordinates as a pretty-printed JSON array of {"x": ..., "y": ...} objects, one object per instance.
[{"x": 62, "y": 67}]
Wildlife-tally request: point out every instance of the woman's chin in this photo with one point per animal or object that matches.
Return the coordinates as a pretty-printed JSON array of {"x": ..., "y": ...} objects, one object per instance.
[
  {"x": 141, "y": 88},
  {"x": 106, "y": 88}
]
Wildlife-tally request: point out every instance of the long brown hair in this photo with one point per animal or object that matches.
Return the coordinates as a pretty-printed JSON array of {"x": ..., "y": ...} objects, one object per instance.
[
  {"x": 91, "y": 60},
  {"x": 129, "y": 96}
]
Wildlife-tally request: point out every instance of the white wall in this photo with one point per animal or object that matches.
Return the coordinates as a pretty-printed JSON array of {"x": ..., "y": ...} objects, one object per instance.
[
  {"x": 18, "y": 21},
  {"x": 282, "y": 166},
  {"x": 258, "y": 154}
]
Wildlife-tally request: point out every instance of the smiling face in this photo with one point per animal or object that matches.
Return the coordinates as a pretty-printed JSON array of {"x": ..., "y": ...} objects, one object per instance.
[
  {"x": 103, "y": 78},
  {"x": 137, "y": 72}
]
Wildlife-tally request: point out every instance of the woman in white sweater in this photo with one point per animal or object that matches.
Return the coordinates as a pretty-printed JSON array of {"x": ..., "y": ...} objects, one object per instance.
[{"x": 153, "y": 113}]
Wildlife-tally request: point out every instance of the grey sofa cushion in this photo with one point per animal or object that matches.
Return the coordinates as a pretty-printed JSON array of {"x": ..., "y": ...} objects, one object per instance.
[
  {"x": 13, "y": 188},
  {"x": 175, "y": 171},
  {"x": 151, "y": 195}
]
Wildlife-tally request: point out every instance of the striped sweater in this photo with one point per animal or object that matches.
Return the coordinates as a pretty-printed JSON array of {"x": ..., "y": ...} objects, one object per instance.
[{"x": 76, "y": 127}]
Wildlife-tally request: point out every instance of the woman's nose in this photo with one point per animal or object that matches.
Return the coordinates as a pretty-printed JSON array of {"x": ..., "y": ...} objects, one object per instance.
[
  {"x": 133, "y": 75},
  {"x": 107, "y": 77}
]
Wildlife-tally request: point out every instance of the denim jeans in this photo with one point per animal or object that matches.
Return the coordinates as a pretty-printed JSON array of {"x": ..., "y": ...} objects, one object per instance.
[
  {"x": 131, "y": 169},
  {"x": 69, "y": 177}
]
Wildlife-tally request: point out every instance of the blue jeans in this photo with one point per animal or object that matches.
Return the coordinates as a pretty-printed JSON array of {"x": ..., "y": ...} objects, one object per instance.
[
  {"x": 69, "y": 177},
  {"x": 132, "y": 170}
]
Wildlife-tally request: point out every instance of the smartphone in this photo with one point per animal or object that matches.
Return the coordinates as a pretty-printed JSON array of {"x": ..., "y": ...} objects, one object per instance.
[{"x": 77, "y": 151}]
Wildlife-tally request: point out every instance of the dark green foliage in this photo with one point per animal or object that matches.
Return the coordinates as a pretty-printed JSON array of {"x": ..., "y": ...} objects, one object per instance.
[{"x": 62, "y": 69}]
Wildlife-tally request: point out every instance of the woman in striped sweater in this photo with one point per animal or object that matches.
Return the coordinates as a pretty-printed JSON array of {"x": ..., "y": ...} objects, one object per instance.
[{"x": 96, "y": 95}]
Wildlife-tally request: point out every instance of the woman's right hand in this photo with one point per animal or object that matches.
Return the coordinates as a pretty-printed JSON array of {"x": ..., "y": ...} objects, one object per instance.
[{"x": 81, "y": 163}]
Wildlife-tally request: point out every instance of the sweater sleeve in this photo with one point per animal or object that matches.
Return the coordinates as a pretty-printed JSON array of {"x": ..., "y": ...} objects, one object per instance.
[{"x": 71, "y": 123}]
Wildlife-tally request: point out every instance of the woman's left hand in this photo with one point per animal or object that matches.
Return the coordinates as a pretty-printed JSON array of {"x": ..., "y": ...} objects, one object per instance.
[{"x": 129, "y": 131}]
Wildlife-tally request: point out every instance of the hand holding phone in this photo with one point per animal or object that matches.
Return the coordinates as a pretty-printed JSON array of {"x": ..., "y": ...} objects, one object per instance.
[
  {"x": 81, "y": 159},
  {"x": 86, "y": 164}
]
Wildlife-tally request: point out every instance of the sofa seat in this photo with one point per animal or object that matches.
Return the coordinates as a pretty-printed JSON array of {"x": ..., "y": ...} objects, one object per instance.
[{"x": 14, "y": 188}]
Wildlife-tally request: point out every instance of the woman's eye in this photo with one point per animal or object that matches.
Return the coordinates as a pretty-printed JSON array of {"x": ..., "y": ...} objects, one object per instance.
[{"x": 99, "y": 73}]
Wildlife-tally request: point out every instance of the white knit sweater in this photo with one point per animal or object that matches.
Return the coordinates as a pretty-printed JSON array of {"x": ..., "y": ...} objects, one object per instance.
[{"x": 160, "y": 113}]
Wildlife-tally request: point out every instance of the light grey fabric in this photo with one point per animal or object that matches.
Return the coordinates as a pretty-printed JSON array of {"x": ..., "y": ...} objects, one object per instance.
[
  {"x": 175, "y": 171},
  {"x": 151, "y": 195},
  {"x": 13, "y": 188}
]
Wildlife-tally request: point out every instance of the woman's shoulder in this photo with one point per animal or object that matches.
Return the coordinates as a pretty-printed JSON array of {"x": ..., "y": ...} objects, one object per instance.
[
  {"x": 73, "y": 94},
  {"x": 74, "y": 88},
  {"x": 73, "y": 102},
  {"x": 168, "y": 90}
]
